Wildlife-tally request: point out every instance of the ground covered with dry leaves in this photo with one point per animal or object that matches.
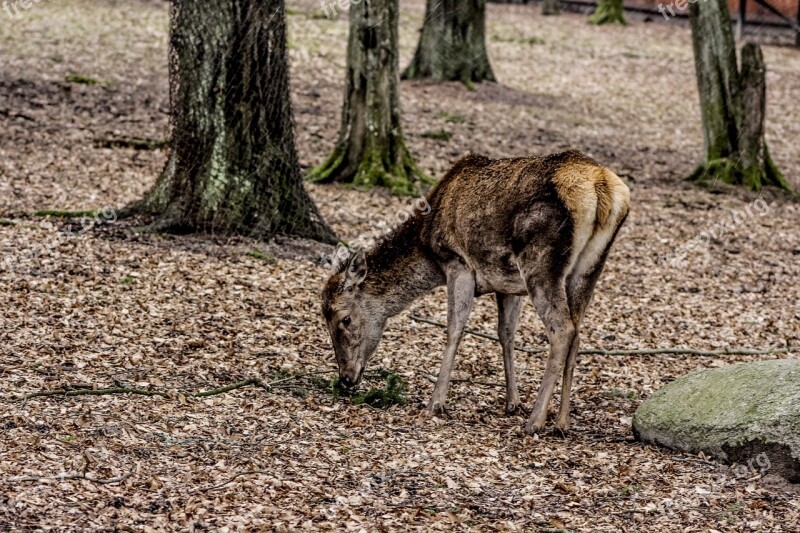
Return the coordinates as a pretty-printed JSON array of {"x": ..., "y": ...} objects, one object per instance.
[{"x": 102, "y": 304}]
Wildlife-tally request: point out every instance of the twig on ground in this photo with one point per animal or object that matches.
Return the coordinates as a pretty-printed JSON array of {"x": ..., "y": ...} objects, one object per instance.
[
  {"x": 94, "y": 392},
  {"x": 61, "y": 477},
  {"x": 646, "y": 351},
  {"x": 231, "y": 480},
  {"x": 291, "y": 378},
  {"x": 254, "y": 381},
  {"x": 227, "y": 388}
]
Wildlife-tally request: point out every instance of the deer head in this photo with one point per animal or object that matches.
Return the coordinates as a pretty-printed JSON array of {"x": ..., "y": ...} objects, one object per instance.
[{"x": 354, "y": 318}]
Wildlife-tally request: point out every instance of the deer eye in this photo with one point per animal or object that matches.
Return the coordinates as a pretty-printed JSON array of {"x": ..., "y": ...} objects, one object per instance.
[{"x": 346, "y": 321}]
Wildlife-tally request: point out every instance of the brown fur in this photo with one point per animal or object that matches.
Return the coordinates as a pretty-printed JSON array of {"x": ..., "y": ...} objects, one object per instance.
[{"x": 538, "y": 226}]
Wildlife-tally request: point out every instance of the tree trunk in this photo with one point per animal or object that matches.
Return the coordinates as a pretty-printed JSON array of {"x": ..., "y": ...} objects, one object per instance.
[
  {"x": 608, "y": 12},
  {"x": 732, "y": 105},
  {"x": 452, "y": 44},
  {"x": 756, "y": 164},
  {"x": 371, "y": 150},
  {"x": 551, "y": 7},
  {"x": 232, "y": 165},
  {"x": 717, "y": 77}
]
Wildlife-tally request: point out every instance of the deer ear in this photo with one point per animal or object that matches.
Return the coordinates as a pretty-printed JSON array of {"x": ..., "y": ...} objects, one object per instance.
[
  {"x": 356, "y": 270},
  {"x": 340, "y": 258}
]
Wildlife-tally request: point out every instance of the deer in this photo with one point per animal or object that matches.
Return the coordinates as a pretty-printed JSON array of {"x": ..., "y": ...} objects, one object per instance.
[{"x": 540, "y": 227}]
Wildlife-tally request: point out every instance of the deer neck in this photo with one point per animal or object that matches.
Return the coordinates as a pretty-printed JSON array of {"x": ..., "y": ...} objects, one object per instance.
[{"x": 399, "y": 271}]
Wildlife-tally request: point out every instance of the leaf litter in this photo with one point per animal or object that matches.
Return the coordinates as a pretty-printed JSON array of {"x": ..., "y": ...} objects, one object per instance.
[{"x": 103, "y": 305}]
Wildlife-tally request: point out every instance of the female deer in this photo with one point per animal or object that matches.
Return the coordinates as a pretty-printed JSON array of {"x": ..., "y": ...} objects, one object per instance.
[{"x": 539, "y": 226}]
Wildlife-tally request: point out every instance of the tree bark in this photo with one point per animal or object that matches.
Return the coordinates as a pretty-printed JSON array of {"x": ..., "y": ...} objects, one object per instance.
[
  {"x": 232, "y": 166},
  {"x": 452, "y": 43},
  {"x": 732, "y": 104},
  {"x": 371, "y": 149},
  {"x": 551, "y": 7},
  {"x": 717, "y": 76},
  {"x": 608, "y": 12},
  {"x": 757, "y": 166}
]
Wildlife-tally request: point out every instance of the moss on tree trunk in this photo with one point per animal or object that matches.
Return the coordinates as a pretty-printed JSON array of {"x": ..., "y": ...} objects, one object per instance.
[
  {"x": 452, "y": 43},
  {"x": 608, "y": 12},
  {"x": 232, "y": 165},
  {"x": 371, "y": 150},
  {"x": 732, "y": 103}
]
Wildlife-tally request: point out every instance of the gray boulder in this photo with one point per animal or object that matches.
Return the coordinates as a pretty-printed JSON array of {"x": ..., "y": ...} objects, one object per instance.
[{"x": 747, "y": 414}]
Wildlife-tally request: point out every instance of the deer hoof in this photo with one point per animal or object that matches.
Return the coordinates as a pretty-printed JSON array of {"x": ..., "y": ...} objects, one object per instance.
[
  {"x": 436, "y": 408},
  {"x": 513, "y": 408},
  {"x": 562, "y": 425},
  {"x": 533, "y": 427}
]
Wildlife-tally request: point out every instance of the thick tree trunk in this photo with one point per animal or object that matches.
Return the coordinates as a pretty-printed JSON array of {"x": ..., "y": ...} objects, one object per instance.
[
  {"x": 732, "y": 105},
  {"x": 717, "y": 77},
  {"x": 608, "y": 12},
  {"x": 551, "y": 7},
  {"x": 452, "y": 43},
  {"x": 371, "y": 150},
  {"x": 232, "y": 165}
]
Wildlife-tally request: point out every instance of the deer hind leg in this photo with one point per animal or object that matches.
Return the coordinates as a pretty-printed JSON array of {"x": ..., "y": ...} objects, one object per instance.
[
  {"x": 508, "y": 306},
  {"x": 580, "y": 287},
  {"x": 550, "y": 300},
  {"x": 562, "y": 421},
  {"x": 579, "y": 293},
  {"x": 460, "y": 295}
]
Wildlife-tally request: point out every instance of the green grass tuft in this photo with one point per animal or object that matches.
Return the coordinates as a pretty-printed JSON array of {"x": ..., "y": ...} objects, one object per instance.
[
  {"x": 393, "y": 393},
  {"x": 629, "y": 490},
  {"x": 320, "y": 14},
  {"x": 333, "y": 386},
  {"x": 521, "y": 40},
  {"x": 452, "y": 118},
  {"x": 267, "y": 258},
  {"x": 531, "y": 40},
  {"x": 64, "y": 214},
  {"x": 4, "y": 222},
  {"x": 438, "y": 135},
  {"x": 616, "y": 393}
]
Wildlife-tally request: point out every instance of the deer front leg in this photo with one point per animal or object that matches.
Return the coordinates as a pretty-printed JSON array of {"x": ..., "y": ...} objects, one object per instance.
[
  {"x": 460, "y": 295},
  {"x": 508, "y": 306},
  {"x": 550, "y": 301}
]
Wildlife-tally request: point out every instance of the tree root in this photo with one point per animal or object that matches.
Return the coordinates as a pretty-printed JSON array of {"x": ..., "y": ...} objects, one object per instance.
[
  {"x": 403, "y": 177},
  {"x": 608, "y": 12},
  {"x": 648, "y": 351},
  {"x": 729, "y": 171}
]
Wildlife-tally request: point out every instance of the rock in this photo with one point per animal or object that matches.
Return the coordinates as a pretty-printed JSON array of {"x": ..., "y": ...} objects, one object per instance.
[{"x": 747, "y": 414}]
